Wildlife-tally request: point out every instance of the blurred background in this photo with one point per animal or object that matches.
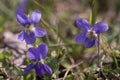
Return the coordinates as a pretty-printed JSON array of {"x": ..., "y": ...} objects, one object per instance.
[
  {"x": 62, "y": 14},
  {"x": 59, "y": 18}
]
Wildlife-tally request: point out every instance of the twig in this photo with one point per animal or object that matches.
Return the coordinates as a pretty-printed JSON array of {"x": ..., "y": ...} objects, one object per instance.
[{"x": 71, "y": 67}]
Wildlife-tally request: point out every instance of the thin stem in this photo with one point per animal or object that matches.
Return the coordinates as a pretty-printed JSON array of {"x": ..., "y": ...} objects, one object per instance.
[
  {"x": 99, "y": 50},
  {"x": 93, "y": 15},
  {"x": 99, "y": 61}
]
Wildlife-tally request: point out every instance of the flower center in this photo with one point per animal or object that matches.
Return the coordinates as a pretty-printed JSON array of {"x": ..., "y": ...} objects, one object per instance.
[
  {"x": 29, "y": 29},
  {"x": 91, "y": 34},
  {"x": 41, "y": 61}
]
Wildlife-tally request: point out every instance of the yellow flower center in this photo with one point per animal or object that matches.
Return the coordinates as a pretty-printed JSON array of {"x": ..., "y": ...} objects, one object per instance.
[
  {"x": 91, "y": 34},
  {"x": 29, "y": 29},
  {"x": 41, "y": 61}
]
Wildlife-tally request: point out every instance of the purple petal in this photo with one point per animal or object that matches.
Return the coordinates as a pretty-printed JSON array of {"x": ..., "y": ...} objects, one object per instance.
[
  {"x": 47, "y": 69},
  {"x": 80, "y": 38},
  {"x": 43, "y": 50},
  {"x": 35, "y": 17},
  {"x": 89, "y": 43},
  {"x": 100, "y": 27},
  {"x": 21, "y": 35},
  {"x": 40, "y": 71},
  {"x": 29, "y": 37},
  {"x": 22, "y": 17},
  {"x": 33, "y": 54},
  {"x": 39, "y": 32},
  {"x": 83, "y": 24},
  {"x": 22, "y": 5},
  {"x": 28, "y": 68}
]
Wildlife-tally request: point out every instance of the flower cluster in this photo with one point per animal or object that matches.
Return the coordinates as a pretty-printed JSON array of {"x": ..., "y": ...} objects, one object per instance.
[
  {"x": 89, "y": 35},
  {"x": 29, "y": 34}
]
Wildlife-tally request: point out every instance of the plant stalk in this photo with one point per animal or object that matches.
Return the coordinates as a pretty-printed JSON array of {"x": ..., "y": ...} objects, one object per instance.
[{"x": 99, "y": 61}]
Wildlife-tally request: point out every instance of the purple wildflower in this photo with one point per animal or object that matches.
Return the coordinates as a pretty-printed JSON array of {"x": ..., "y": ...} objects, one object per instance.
[
  {"x": 89, "y": 35},
  {"x": 38, "y": 55},
  {"x": 29, "y": 33}
]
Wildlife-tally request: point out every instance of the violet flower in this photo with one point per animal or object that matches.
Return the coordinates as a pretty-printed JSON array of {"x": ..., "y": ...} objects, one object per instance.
[
  {"x": 89, "y": 35},
  {"x": 37, "y": 55},
  {"x": 30, "y": 32}
]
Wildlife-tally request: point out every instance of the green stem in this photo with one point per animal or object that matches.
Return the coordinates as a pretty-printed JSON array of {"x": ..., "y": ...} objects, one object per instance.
[
  {"x": 54, "y": 31},
  {"x": 93, "y": 15},
  {"x": 47, "y": 25}
]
